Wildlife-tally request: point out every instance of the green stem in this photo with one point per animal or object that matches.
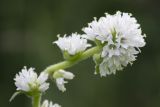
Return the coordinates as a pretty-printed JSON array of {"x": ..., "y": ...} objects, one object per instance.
[
  {"x": 68, "y": 63},
  {"x": 36, "y": 100}
]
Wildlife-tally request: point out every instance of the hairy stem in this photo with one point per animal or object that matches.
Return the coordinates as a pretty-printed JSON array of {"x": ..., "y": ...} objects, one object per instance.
[
  {"x": 68, "y": 63},
  {"x": 36, "y": 100}
]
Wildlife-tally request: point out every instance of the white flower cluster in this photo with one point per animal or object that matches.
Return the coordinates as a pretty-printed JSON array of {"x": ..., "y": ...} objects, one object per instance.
[
  {"x": 120, "y": 36},
  {"x": 46, "y": 103},
  {"x": 72, "y": 44},
  {"x": 59, "y": 76},
  {"x": 27, "y": 80}
]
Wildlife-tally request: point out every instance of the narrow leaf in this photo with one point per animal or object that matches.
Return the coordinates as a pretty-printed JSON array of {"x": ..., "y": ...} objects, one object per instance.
[{"x": 14, "y": 95}]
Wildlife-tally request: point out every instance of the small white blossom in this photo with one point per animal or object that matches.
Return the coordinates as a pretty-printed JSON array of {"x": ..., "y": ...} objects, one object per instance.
[
  {"x": 59, "y": 78},
  {"x": 46, "y": 103},
  {"x": 73, "y": 44},
  {"x": 120, "y": 35},
  {"x": 60, "y": 84},
  {"x": 27, "y": 80}
]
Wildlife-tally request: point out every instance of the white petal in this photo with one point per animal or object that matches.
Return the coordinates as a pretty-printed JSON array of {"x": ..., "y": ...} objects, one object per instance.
[
  {"x": 60, "y": 84},
  {"x": 66, "y": 74},
  {"x": 42, "y": 78},
  {"x": 45, "y": 103}
]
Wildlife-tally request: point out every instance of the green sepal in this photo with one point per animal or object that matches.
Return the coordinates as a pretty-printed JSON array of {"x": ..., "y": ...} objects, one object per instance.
[
  {"x": 66, "y": 55},
  {"x": 96, "y": 68},
  {"x": 97, "y": 59},
  {"x": 114, "y": 35},
  {"x": 76, "y": 56},
  {"x": 34, "y": 90},
  {"x": 57, "y": 75},
  {"x": 33, "y": 93},
  {"x": 14, "y": 95},
  {"x": 98, "y": 42},
  {"x": 69, "y": 57}
]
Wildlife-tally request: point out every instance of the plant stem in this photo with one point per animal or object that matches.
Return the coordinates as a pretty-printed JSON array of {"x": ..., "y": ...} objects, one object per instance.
[
  {"x": 36, "y": 100},
  {"x": 68, "y": 63}
]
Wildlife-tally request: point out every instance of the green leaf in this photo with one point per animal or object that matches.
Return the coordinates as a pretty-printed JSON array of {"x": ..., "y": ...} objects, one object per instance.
[{"x": 14, "y": 95}]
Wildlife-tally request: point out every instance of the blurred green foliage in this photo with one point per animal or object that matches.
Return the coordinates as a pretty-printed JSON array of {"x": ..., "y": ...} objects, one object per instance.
[{"x": 28, "y": 28}]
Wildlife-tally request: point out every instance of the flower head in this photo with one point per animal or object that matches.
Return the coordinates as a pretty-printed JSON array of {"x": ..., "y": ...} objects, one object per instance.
[
  {"x": 120, "y": 36},
  {"x": 59, "y": 77},
  {"x": 72, "y": 44},
  {"x": 111, "y": 28},
  {"x": 46, "y": 103},
  {"x": 27, "y": 80}
]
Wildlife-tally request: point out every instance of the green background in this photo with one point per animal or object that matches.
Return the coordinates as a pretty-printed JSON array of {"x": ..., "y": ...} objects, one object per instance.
[{"x": 28, "y": 28}]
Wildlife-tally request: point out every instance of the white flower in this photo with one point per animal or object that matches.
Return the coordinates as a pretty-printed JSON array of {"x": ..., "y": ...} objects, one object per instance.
[
  {"x": 59, "y": 76},
  {"x": 60, "y": 84},
  {"x": 46, "y": 103},
  {"x": 120, "y": 35},
  {"x": 73, "y": 44},
  {"x": 27, "y": 80}
]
